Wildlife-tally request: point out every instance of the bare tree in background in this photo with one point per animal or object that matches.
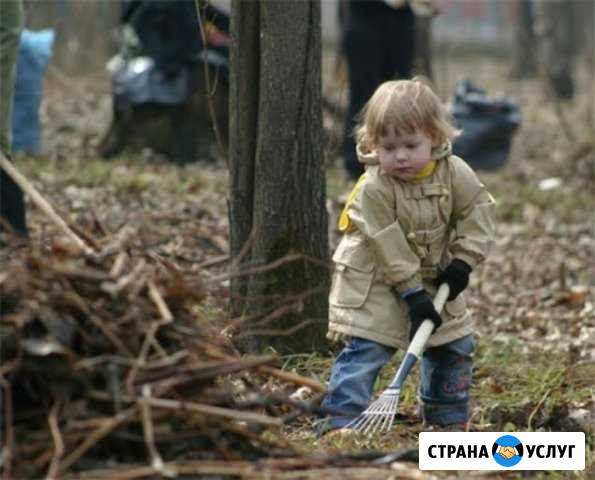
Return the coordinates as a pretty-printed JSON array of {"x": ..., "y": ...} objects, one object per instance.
[
  {"x": 552, "y": 34},
  {"x": 524, "y": 60},
  {"x": 557, "y": 44},
  {"x": 277, "y": 192}
]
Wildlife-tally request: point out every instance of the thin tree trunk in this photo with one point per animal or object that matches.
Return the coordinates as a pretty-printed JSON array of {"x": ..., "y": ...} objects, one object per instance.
[
  {"x": 524, "y": 61},
  {"x": 556, "y": 46},
  {"x": 277, "y": 175},
  {"x": 423, "y": 46},
  {"x": 243, "y": 132}
]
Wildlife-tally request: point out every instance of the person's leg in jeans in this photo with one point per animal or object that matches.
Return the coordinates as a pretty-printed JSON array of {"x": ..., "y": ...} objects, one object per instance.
[
  {"x": 446, "y": 381},
  {"x": 352, "y": 379}
]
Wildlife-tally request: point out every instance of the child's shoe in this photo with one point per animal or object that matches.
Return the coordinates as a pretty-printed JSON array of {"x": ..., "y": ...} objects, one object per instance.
[{"x": 326, "y": 430}]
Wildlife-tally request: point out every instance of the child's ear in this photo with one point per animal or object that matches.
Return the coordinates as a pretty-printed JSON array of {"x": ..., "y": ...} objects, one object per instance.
[
  {"x": 367, "y": 143},
  {"x": 367, "y": 147}
]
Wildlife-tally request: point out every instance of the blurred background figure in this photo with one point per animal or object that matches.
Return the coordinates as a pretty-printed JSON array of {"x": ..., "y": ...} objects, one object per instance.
[
  {"x": 378, "y": 41},
  {"x": 34, "y": 54},
  {"x": 158, "y": 76},
  {"x": 12, "y": 204}
]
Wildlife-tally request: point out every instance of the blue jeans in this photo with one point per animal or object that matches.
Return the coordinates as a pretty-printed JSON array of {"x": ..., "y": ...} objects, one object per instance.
[{"x": 443, "y": 391}]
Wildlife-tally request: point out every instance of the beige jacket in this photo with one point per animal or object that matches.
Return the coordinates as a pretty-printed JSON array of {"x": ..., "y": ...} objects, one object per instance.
[{"x": 399, "y": 234}]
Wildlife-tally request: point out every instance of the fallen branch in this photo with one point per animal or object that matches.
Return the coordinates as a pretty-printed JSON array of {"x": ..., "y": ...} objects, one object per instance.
[
  {"x": 8, "y": 451},
  {"x": 96, "y": 436},
  {"x": 58, "y": 442},
  {"x": 216, "y": 411},
  {"x": 164, "y": 310},
  {"x": 156, "y": 460},
  {"x": 294, "y": 378},
  {"x": 42, "y": 203},
  {"x": 269, "y": 266}
]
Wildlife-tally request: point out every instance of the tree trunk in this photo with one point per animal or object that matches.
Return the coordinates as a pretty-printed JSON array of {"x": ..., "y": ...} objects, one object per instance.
[
  {"x": 524, "y": 61},
  {"x": 423, "y": 46},
  {"x": 277, "y": 199},
  {"x": 556, "y": 48}
]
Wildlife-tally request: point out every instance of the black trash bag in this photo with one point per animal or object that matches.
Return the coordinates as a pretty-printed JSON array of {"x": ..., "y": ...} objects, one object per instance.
[{"x": 488, "y": 125}]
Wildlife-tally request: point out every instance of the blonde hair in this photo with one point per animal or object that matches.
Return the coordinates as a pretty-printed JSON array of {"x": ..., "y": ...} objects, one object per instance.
[{"x": 406, "y": 106}]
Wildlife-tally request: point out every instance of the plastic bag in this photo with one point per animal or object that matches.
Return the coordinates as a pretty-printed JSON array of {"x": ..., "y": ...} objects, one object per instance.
[
  {"x": 139, "y": 81},
  {"x": 34, "y": 55},
  {"x": 488, "y": 126}
]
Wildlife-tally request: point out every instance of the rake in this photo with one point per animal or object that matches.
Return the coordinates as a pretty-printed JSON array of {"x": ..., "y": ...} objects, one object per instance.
[{"x": 380, "y": 414}]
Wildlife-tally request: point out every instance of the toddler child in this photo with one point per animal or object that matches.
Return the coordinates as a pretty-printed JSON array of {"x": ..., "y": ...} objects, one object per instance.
[{"x": 417, "y": 217}]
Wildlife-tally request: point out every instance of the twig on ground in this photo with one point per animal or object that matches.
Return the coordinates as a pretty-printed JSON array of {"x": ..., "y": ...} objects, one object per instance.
[
  {"x": 42, "y": 203},
  {"x": 156, "y": 460},
  {"x": 269, "y": 266},
  {"x": 273, "y": 332},
  {"x": 92, "y": 439},
  {"x": 118, "y": 265},
  {"x": 162, "y": 307},
  {"x": 210, "y": 262},
  {"x": 249, "y": 417},
  {"x": 115, "y": 288},
  {"x": 294, "y": 378},
  {"x": 58, "y": 442},
  {"x": 102, "y": 325},
  {"x": 8, "y": 450}
]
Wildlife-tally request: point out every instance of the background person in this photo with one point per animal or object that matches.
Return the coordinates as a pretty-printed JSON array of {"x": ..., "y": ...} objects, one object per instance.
[{"x": 12, "y": 203}]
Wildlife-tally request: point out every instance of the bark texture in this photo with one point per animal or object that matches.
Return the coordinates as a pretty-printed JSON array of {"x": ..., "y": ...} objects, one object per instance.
[
  {"x": 524, "y": 60},
  {"x": 277, "y": 198},
  {"x": 557, "y": 47}
]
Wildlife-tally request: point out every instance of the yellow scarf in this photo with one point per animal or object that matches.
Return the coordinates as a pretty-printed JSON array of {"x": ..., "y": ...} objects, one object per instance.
[{"x": 426, "y": 171}]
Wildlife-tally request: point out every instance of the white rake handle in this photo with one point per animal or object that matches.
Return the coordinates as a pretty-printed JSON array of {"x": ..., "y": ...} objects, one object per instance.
[
  {"x": 419, "y": 340},
  {"x": 425, "y": 329}
]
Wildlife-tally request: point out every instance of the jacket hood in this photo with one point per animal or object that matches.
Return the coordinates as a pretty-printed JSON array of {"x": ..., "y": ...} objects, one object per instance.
[{"x": 370, "y": 157}]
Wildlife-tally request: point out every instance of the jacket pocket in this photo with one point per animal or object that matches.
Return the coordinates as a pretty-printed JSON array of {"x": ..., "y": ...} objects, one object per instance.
[
  {"x": 354, "y": 272},
  {"x": 351, "y": 285}
]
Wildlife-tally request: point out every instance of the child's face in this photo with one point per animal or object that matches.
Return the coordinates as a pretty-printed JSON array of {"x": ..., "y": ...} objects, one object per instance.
[{"x": 404, "y": 156}]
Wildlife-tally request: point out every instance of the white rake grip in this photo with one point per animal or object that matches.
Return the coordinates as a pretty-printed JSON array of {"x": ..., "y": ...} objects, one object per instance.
[
  {"x": 419, "y": 341},
  {"x": 381, "y": 413},
  {"x": 425, "y": 329}
]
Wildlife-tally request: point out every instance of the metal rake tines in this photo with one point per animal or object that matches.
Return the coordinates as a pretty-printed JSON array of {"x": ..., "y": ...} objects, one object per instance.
[{"x": 379, "y": 415}]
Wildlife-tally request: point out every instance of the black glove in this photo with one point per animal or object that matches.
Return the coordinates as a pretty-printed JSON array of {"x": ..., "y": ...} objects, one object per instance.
[
  {"x": 421, "y": 308},
  {"x": 457, "y": 277}
]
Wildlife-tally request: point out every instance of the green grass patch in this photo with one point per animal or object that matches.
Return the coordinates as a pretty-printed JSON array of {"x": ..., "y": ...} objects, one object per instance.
[
  {"x": 518, "y": 391},
  {"x": 565, "y": 204},
  {"x": 128, "y": 174},
  {"x": 513, "y": 390}
]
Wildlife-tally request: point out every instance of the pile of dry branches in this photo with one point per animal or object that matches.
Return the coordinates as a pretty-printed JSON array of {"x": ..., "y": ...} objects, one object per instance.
[{"x": 106, "y": 359}]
